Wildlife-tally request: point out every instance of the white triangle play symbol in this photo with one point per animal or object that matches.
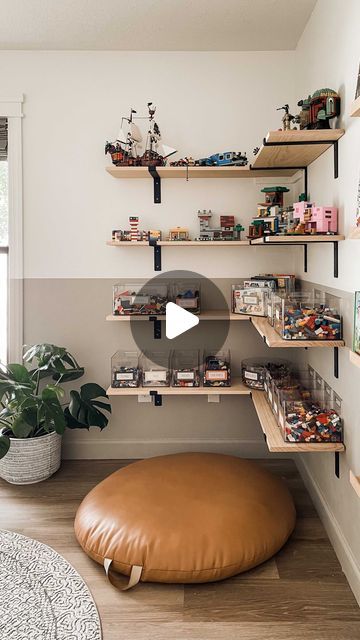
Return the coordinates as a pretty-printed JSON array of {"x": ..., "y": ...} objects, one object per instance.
[{"x": 178, "y": 320}]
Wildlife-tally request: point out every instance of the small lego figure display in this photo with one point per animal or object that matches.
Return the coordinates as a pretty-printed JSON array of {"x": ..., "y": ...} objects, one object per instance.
[
  {"x": 313, "y": 219},
  {"x": 287, "y": 118},
  {"x": 317, "y": 110},
  {"x": 228, "y": 230},
  {"x": 179, "y": 234},
  {"x": 227, "y": 158},
  {"x": 134, "y": 228}
]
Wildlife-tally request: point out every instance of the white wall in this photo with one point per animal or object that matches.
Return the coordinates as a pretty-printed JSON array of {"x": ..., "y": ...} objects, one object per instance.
[
  {"x": 207, "y": 102},
  {"x": 328, "y": 55}
]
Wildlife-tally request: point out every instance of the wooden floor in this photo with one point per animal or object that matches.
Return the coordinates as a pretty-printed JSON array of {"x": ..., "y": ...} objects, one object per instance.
[{"x": 301, "y": 594}]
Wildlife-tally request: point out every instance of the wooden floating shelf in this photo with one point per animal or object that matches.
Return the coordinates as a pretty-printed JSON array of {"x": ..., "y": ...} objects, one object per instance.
[
  {"x": 274, "y": 439},
  {"x": 215, "y": 314},
  {"x": 354, "y": 358},
  {"x": 197, "y": 172},
  {"x": 355, "y": 108},
  {"x": 355, "y": 234},
  {"x": 355, "y": 482},
  {"x": 272, "y": 338},
  {"x": 295, "y": 155},
  {"x": 298, "y": 239},
  {"x": 237, "y": 389},
  {"x": 190, "y": 243}
]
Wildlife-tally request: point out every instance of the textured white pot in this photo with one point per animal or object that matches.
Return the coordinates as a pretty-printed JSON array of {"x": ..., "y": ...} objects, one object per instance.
[{"x": 31, "y": 460}]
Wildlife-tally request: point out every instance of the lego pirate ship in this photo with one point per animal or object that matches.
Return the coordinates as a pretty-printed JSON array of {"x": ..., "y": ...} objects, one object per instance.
[{"x": 125, "y": 150}]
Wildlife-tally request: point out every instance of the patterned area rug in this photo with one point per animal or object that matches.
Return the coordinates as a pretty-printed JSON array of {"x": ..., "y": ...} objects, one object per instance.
[{"x": 42, "y": 596}]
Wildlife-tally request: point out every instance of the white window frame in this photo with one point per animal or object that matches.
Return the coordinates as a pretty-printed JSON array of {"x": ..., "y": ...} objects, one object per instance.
[{"x": 11, "y": 108}]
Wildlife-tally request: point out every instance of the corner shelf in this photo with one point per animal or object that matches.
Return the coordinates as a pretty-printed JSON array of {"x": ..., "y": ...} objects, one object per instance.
[
  {"x": 303, "y": 241},
  {"x": 273, "y": 436},
  {"x": 355, "y": 108},
  {"x": 294, "y": 150},
  {"x": 355, "y": 482},
  {"x": 354, "y": 358},
  {"x": 272, "y": 338},
  {"x": 237, "y": 389}
]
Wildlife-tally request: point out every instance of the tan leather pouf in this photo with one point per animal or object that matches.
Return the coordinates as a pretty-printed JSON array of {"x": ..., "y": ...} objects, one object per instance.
[{"x": 192, "y": 517}]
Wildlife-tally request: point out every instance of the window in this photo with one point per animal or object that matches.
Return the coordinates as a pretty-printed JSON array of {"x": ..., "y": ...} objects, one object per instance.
[{"x": 4, "y": 240}]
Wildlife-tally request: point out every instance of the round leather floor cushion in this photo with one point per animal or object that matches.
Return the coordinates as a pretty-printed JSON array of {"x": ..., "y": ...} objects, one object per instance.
[{"x": 193, "y": 517}]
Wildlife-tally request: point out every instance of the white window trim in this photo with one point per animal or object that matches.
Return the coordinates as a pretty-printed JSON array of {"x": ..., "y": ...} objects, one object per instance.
[{"x": 11, "y": 108}]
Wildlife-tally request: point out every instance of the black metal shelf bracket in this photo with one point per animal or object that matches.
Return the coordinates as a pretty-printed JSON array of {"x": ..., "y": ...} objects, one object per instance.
[
  {"x": 157, "y": 254},
  {"x": 337, "y": 464},
  {"x": 305, "y": 258},
  {"x": 336, "y": 159},
  {"x": 157, "y": 398},
  {"x": 336, "y": 362},
  {"x": 157, "y": 327},
  {"x": 157, "y": 184},
  {"x": 336, "y": 259}
]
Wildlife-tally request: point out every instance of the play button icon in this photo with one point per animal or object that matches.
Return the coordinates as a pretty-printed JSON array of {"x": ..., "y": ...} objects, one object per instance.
[{"x": 178, "y": 320}]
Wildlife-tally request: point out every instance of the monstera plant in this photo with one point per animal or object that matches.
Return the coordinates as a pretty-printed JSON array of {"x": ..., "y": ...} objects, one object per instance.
[{"x": 32, "y": 397}]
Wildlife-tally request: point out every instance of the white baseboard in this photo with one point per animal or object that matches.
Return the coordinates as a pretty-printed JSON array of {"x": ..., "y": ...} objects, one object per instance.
[
  {"x": 123, "y": 449},
  {"x": 341, "y": 546}
]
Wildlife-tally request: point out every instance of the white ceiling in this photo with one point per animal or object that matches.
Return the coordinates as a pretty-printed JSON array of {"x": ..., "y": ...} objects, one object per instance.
[{"x": 153, "y": 25}]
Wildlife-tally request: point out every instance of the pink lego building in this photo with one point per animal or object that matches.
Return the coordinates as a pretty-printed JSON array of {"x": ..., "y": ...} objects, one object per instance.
[{"x": 316, "y": 219}]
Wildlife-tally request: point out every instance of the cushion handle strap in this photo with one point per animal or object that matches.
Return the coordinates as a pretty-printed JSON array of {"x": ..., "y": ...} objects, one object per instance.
[{"x": 135, "y": 574}]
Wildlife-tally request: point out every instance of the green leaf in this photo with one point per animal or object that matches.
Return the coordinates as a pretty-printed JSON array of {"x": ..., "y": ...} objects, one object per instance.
[
  {"x": 18, "y": 373},
  {"x": 92, "y": 390},
  {"x": 4, "y": 445},
  {"x": 83, "y": 411},
  {"x": 20, "y": 428}
]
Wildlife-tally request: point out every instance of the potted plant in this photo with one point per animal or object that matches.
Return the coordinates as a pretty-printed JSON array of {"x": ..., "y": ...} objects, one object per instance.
[{"x": 33, "y": 416}]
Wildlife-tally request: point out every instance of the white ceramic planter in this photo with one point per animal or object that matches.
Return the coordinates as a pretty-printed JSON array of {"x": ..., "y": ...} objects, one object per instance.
[{"x": 31, "y": 460}]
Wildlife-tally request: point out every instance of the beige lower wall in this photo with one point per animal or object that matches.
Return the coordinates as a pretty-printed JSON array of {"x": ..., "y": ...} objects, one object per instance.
[{"x": 72, "y": 313}]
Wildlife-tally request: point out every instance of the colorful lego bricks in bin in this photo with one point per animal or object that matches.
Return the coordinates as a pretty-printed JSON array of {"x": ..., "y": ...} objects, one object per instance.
[
  {"x": 139, "y": 299},
  {"x": 305, "y": 407},
  {"x": 155, "y": 369},
  {"x": 217, "y": 372},
  {"x": 302, "y": 317},
  {"x": 185, "y": 368},
  {"x": 125, "y": 370},
  {"x": 253, "y": 371},
  {"x": 249, "y": 300},
  {"x": 186, "y": 294}
]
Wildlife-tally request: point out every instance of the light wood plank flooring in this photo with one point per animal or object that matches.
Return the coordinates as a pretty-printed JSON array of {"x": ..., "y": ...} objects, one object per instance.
[{"x": 301, "y": 594}]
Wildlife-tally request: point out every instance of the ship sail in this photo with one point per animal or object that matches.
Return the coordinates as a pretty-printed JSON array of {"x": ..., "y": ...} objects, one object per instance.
[
  {"x": 167, "y": 151},
  {"x": 135, "y": 133},
  {"x": 122, "y": 136}
]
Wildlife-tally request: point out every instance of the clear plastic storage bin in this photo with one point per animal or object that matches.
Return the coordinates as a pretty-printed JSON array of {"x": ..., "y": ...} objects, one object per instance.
[
  {"x": 125, "y": 370},
  {"x": 139, "y": 299},
  {"x": 254, "y": 370},
  {"x": 304, "y": 317},
  {"x": 187, "y": 295},
  {"x": 314, "y": 419},
  {"x": 249, "y": 301},
  {"x": 217, "y": 371},
  {"x": 155, "y": 370},
  {"x": 185, "y": 368}
]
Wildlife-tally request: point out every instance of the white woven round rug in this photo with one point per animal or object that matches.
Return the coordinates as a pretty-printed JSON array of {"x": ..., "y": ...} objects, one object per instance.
[{"x": 42, "y": 596}]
